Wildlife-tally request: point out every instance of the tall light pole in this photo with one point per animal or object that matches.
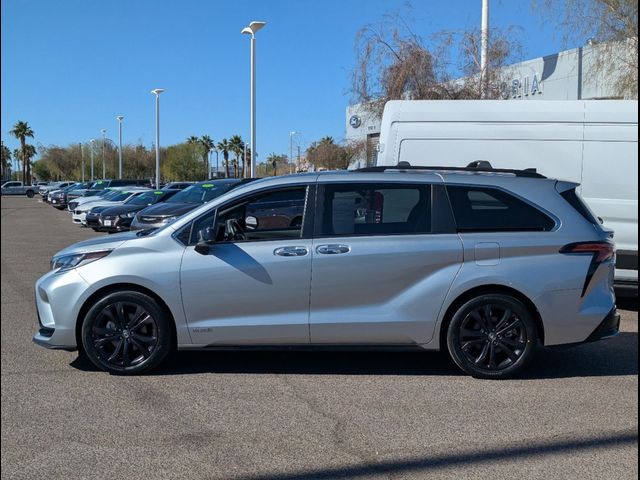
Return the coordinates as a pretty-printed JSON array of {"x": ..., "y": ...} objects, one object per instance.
[
  {"x": 157, "y": 92},
  {"x": 484, "y": 48},
  {"x": 104, "y": 165},
  {"x": 213, "y": 150},
  {"x": 119, "y": 118},
  {"x": 291, "y": 134},
  {"x": 92, "y": 142},
  {"x": 82, "y": 161},
  {"x": 251, "y": 30}
]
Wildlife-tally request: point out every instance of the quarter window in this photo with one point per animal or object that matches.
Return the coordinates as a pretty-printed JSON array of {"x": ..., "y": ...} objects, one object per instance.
[
  {"x": 481, "y": 209},
  {"x": 376, "y": 209}
]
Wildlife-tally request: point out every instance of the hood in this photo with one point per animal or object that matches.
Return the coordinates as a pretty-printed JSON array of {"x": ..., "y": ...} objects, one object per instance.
[
  {"x": 167, "y": 209},
  {"x": 120, "y": 209},
  {"x": 99, "y": 243}
]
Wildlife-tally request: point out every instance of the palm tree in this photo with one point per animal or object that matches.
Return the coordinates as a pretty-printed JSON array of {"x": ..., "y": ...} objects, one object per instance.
[
  {"x": 272, "y": 160},
  {"x": 237, "y": 147},
  {"x": 6, "y": 161},
  {"x": 225, "y": 147},
  {"x": 21, "y": 130},
  {"x": 28, "y": 152},
  {"x": 207, "y": 143}
]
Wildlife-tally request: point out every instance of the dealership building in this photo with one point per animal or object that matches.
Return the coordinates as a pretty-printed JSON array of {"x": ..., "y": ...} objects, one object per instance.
[{"x": 568, "y": 75}]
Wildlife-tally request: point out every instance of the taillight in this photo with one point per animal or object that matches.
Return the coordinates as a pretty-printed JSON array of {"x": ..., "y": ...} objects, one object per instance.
[{"x": 600, "y": 252}]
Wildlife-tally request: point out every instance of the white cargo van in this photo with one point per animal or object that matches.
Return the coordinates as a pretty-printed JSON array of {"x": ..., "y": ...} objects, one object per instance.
[{"x": 592, "y": 142}]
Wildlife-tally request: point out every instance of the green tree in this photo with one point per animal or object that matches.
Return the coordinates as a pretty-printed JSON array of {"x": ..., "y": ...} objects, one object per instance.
[
  {"x": 207, "y": 144},
  {"x": 180, "y": 163},
  {"x": 6, "y": 161},
  {"x": 21, "y": 130},
  {"x": 237, "y": 147},
  {"x": 225, "y": 148},
  {"x": 277, "y": 163}
]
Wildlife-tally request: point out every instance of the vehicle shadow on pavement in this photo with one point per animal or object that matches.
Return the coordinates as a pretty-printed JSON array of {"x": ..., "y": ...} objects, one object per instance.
[{"x": 616, "y": 356}]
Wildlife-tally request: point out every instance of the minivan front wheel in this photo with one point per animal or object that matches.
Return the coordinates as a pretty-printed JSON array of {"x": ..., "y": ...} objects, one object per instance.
[
  {"x": 126, "y": 332},
  {"x": 492, "y": 336}
]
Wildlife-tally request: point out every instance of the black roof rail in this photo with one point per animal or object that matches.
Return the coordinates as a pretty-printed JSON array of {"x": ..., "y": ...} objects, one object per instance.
[{"x": 478, "y": 166}]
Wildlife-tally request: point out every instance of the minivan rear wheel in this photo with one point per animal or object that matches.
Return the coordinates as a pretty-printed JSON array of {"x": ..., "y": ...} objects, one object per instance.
[
  {"x": 126, "y": 332},
  {"x": 492, "y": 336}
]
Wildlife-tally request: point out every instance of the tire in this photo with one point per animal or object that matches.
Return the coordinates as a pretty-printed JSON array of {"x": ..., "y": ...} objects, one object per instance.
[
  {"x": 30, "y": 193},
  {"x": 492, "y": 336},
  {"x": 127, "y": 332}
]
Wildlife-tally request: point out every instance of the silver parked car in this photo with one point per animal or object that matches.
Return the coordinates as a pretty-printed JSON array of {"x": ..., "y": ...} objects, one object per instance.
[{"x": 482, "y": 263}]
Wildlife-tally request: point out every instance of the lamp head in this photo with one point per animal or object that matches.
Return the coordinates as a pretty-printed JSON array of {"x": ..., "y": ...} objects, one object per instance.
[
  {"x": 157, "y": 91},
  {"x": 253, "y": 28},
  {"x": 120, "y": 118}
]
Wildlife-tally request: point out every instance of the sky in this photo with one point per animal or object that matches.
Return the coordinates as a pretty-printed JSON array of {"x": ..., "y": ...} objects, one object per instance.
[{"x": 69, "y": 67}]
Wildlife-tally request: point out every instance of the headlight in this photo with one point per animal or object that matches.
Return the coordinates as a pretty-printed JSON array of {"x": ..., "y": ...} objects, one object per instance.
[
  {"x": 68, "y": 262},
  {"x": 128, "y": 215}
]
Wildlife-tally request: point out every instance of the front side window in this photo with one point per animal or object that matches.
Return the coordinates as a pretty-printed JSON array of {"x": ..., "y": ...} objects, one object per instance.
[
  {"x": 376, "y": 209},
  {"x": 275, "y": 215},
  {"x": 485, "y": 209},
  {"x": 201, "y": 193}
]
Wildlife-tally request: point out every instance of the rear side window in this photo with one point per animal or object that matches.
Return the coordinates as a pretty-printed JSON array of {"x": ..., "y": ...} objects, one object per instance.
[
  {"x": 376, "y": 209},
  {"x": 482, "y": 209},
  {"x": 572, "y": 197}
]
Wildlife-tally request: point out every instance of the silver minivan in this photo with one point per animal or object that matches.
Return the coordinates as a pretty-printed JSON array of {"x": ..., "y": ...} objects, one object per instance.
[{"x": 485, "y": 264}]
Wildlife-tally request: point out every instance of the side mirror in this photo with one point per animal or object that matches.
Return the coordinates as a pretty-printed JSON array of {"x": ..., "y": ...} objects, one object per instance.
[
  {"x": 205, "y": 238},
  {"x": 601, "y": 220},
  {"x": 251, "y": 223}
]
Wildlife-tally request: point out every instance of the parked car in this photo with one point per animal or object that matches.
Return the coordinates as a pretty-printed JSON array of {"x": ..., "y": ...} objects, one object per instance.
[
  {"x": 110, "y": 183},
  {"x": 44, "y": 190},
  {"x": 76, "y": 202},
  {"x": 115, "y": 198},
  {"x": 176, "y": 185},
  {"x": 119, "y": 218},
  {"x": 485, "y": 265},
  {"x": 159, "y": 215},
  {"x": 59, "y": 198},
  {"x": 17, "y": 188},
  {"x": 46, "y": 196}
]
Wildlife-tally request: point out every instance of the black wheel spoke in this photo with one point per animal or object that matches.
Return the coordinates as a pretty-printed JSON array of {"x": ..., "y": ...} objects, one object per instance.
[
  {"x": 486, "y": 310},
  {"x": 136, "y": 316},
  {"x": 510, "y": 353},
  {"x": 510, "y": 342},
  {"x": 144, "y": 350},
  {"x": 505, "y": 317},
  {"x": 465, "y": 333},
  {"x": 483, "y": 353},
  {"x": 492, "y": 356},
  {"x": 479, "y": 320},
  {"x": 116, "y": 351},
  {"x": 509, "y": 326},
  {"x": 125, "y": 352},
  {"x": 120, "y": 313},
  {"x": 101, "y": 341},
  {"x": 105, "y": 332},
  {"x": 471, "y": 343},
  {"x": 144, "y": 338},
  {"x": 139, "y": 321}
]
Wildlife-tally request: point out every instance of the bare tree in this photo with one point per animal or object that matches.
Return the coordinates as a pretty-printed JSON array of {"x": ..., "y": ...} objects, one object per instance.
[
  {"x": 394, "y": 63},
  {"x": 611, "y": 26},
  {"x": 328, "y": 154}
]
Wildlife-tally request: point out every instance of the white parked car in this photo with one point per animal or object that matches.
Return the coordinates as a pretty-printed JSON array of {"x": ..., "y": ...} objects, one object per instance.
[{"x": 116, "y": 197}]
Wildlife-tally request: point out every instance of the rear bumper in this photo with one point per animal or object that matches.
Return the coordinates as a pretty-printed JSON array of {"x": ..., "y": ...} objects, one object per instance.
[{"x": 609, "y": 327}]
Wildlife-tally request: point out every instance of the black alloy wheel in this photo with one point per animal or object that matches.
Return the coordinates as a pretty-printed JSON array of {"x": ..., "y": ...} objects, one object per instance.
[
  {"x": 126, "y": 332},
  {"x": 492, "y": 336}
]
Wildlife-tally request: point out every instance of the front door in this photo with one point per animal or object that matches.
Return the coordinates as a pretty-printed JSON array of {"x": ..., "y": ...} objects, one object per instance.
[
  {"x": 382, "y": 263},
  {"x": 252, "y": 287}
]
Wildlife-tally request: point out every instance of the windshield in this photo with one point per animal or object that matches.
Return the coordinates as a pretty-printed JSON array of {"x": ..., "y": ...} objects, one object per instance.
[
  {"x": 99, "y": 185},
  {"x": 201, "y": 193},
  {"x": 119, "y": 196},
  {"x": 108, "y": 194},
  {"x": 147, "y": 198}
]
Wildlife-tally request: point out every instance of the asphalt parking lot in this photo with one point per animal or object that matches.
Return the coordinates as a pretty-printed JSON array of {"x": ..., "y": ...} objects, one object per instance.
[{"x": 283, "y": 415}]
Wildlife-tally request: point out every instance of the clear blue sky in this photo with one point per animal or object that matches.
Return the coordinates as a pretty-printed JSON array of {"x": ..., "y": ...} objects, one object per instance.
[{"x": 70, "y": 66}]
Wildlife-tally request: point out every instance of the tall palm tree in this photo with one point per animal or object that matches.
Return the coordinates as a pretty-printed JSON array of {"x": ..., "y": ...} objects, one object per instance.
[
  {"x": 237, "y": 147},
  {"x": 272, "y": 160},
  {"x": 28, "y": 152},
  {"x": 21, "y": 130},
  {"x": 207, "y": 143},
  {"x": 224, "y": 147},
  {"x": 6, "y": 161}
]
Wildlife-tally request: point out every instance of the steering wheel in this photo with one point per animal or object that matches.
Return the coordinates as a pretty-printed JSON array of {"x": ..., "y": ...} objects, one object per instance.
[{"x": 233, "y": 231}]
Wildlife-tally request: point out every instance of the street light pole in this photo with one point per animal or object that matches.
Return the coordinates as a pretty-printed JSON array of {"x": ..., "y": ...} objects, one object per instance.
[
  {"x": 119, "y": 118},
  {"x": 82, "y": 161},
  {"x": 291, "y": 134},
  {"x": 484, "y": 49},
  {"x": 157, "y": 93},
  {"x": 92, "y": 142},
  {"x": 244, "y": 174},
  {"x": 251, "y": 30},
  {"x": 104, "y": 165}
]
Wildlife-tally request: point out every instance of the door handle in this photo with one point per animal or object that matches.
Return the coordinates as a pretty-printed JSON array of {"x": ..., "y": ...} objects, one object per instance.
[
  {"x": 291, "y": 251},
  {"x": 333, "y": 249}
]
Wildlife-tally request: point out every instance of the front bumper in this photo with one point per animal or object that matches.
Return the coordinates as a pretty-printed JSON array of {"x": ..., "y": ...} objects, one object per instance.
[
  {"x": 58, "y": 300},
  {"x": 115, "y": 224},
  {"x": 79, "y": 217}
]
